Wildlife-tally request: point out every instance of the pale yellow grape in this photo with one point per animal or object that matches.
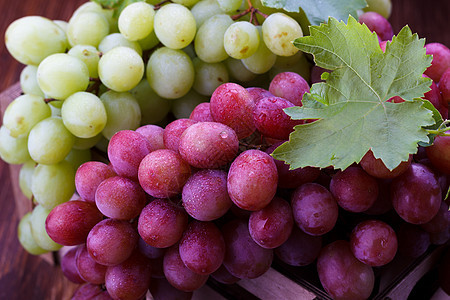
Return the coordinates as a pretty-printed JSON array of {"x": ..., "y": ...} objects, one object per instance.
[
  {"x": 136, "y": 20},
  {"x": 190, "y": 51},
  {"x": 262, "y": 60},
  {"x": 153, "y": 107},
  {"x": 60, "y": 75},
  {"x": 204, "y": 10},
  {"x": 25, "y": 178},
  {"x": 121, "y": 69},
  {"x": 149, "y": 41},
  {"x": 28, "y": 81},
  {"x": 83, "y": 144},
  {"x": 288, "y": 61},
  {"x": 238, "y": 71},
  {"x": 37, "y": 221},
  {"x": 383, "y": 7},
  {"x": 187, "y": 3},
  {"x": 13, "y": 150},
  {"x": 209, "y": 39},
  {"x": 31, "y": 39},
  {"x": 53, "y": 184},
  {"x": 183, "y": 107},
  {"x": 87, "y": 28},
  {"x": 56, "y": 109},
  {"x": 302, "y": 67},
  {"x": 208, "y": 76},
  {"x": 95, "y": 7},
  {"x": 123, "y": 112},
  {"x": 89, "y": 55},
  {"x": 229, "y": 5},
  {"x": 241, "y": 39},
  {"x": 23, "y": 113},
  {"x": 279, "y": 31},
  {"x": 114, "y": 40},
  {"x": 170, "y": 73},
  {"x": 49, "y": 141},
  {"x": 26, "y": 238},
  {"x": 84, "y": 114},
  {"x": 62, "y": 24},
  {"x": 78, "y": 157},
  {"x": 175, "y": 26}
]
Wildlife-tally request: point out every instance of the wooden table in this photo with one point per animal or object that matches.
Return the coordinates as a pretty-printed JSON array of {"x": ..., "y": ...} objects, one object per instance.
[{"x": 23, "y": 276}]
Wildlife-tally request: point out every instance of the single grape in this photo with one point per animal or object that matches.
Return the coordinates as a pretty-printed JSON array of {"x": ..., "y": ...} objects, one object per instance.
[
  {"x": 150, "y": 251},
  {"x": 162, "y": 223},
  {"x": 440, "y": 222},
  {"x": 202, "y": 113},
  {"x": 376, "y": 168},
  {"x": 88, "y": 269},
  {"x": 89, "y": 176},
  {"x": 444, "y": 86},
  {"x": 208, "y": 76},
  {"x": 205, "y": 196},
  {"x": 376, "y": 22},
  {"x": 315, "y": 209},
  {"x": 89, "y": 55},
  {"x": 87, "y": 28},
  {"x": 175, "y": 26},
  {"x": 222, "y": 275},
  {"x": 136, "y": 20},
  {"x": 241, "y": 40},
  {"x": 290, "y": 86},
  {"x": 238, "y": 71},
  {"x": 60, "y": 75},
  {"x": 69, "y": 266},
  {"x": 279, "y": 30},
  {"x": 69, "y": 223},
  {"x": 26, "y": 238},
  {"x": 111, "y": 242},
  {"x": 121, "y": 69},
  {"x": 13, "y": 150},
  {"x": 161, "y": 289},
  {"x": 439, "y": 154},
  {"x": 45, "y": 37},
  {"x": 89, "y": 290},
  {"x": 37, "y": 224},
  {"x": 262, "y": 60},
  {"x": 440, "y": 62},
  {"x": 173, "y": 131},
  {"x": 205, "y": 9},
  {"x": 183, "y": 106},
  {"x": 116, "y": 39},
  {"x": 252, "y": 180},
  {"x": 25, "y": 178},
  {"x": 154, "y": 134},
  {"x": 383, "y": 7},
  {"x": 28, "y": 81}
]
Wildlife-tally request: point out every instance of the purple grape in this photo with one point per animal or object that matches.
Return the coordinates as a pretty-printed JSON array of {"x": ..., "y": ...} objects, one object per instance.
[
  {"x": 243, "y": 257},
  {"x": 416, "y": 194},
  {"x": 444, "y": 86},
  {"x": 202, "y": 113},
  {"x": 90, "y": 291},
  {"x": 258, "y": 93},
  {"x": 161, "y": 289},
  {"x": 252, "y": 180},
  {"x": 126, "y": 149},
  {"x": 222, "y": 275},
  {"x": 413, "y": 241},
  {"x": 376, "y": 22},
  {"x": 271, "y": 226},
  {"x": 163, "y": 173},
  {"x": 202, "y": 247},
  {"x": 208, "y": 145},
  {"x": 376, "y": 168},
  {"x": 173, "y": 132},
  {"x": 232, "y": 105},
  {"x": 88, "y": 269},
  {"x": 440, "y": 222},
  {"x": 342, "y": 275},
  {"x": 354, "y": 189},
  {"x": 205, "y": 196},
  {"x": 69, "y": 266},
  {"x": 300, "y": 249},
  {"x": 162, "y": 223},
  {"x": 383, "y": 203},
  {"x": 290, "y": 86},
  {"x": 440, "y": 62},
  {"x": 88, "y": 176},
  {"x": 154, "y": 134},
  {"x": 314, "y": 208},
  {"x": 120, "y": 198},
  {"x": 111, "y": 242},
  {"x": 150, "y": 251},
  {"x": 374, "y": 243}
]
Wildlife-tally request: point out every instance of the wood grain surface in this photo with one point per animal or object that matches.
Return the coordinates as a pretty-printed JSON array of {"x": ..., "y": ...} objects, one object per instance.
[{"x": 23, "y": 276}]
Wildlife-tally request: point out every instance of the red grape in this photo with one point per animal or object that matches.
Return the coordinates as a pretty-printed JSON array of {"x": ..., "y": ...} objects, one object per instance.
[
  {"x": 202, "y": 113},
  {"x": 440, "y": 62},
  {"x": 290, "y": 86},
  {"x": 69, "y": 267},
  {"x": 376, "y": 168},
  {"x": 376, "y": 22},
  {"x": 88, "y": 269},
  {"x": 173, "y": 132},
  {"x": 89, "y": 175},
  {"x": 154, "y": 134}
]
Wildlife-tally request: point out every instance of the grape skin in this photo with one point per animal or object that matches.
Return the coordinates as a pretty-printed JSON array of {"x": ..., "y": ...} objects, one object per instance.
[
  {"x": 88, "y": 269},
  {"x": 89, "y": 176}
]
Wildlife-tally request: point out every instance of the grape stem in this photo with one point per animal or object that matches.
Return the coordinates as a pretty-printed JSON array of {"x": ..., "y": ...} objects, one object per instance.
[
  {"x": 48, "y": 100},
  {"x": 160, "y": 4},
  {"x": 252, "y": 11},
  {"x": 442, "y": 130}
]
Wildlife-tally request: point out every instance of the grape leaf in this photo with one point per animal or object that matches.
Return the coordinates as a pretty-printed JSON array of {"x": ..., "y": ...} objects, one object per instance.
[
  {"x": 351, "y": 106},
  {"x": 318, "y": 11}
]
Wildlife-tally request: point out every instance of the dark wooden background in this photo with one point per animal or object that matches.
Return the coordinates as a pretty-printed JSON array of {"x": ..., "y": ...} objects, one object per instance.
[{"x": 23, "y": 276}]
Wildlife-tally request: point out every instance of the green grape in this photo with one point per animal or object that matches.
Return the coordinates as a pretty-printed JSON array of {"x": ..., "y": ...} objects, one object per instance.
[
  {"x": 183, "y": 107},
  {"x": 84, "y": 114},
  {"x": 13, "y": 150},
  {"x": 279, "y": 30},
  {"x": 262, "y": 60},
  {"x": 114, "y": 40},
  {"x": 209, "y": 39},
  {"x": 49, "y": 141},
  {"x": 26, "y": 238},
  {"x": 241, "y": 40},
  {"x": 288, "y": 61},
  {"x": 60, "y": 75},
  {"x": 136, "y": 21},
  {"x": 190, "y": 51},
  {"x": 83, "y": 144},
  {"x": 37, "y": 221},
  {"x": 187, "y": 3},
  {"x": 89, "y": 55},
  {"x": 204, "y": 10},
  {"x": 175, "y": 26},
  {"x": 170, "y": 73},
  {"x": 23, "y": 113},
  {"x": 302, "y": 67},
  {"x": 55, "y": 107},
  {"x": 53, "y": 184},
  {"x": 25, "y": 178},
  {"x": 238, "y": 71},
  {"x": 208, "y": 76},
  {"x": 121, "y": 69},
  {"x": 78, "y": 157},
  {"x": 28, "y": 81},
  {"x": 87, "y": 28},
  {"x": 31, "y": 39},
  {"x": 62, "y": 24},
  {"x": 153, "y": 107},
  {"x": 123, "y": 112},
  {"x": 149, "y": 41},
  {"x": 229, "y": 5},
  {"x": 95, "y": 7},
  {"x": 383, "y": 7}
]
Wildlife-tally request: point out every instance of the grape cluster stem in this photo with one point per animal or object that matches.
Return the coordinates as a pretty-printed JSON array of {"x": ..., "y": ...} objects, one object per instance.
[{"x": 252, "y": 11}]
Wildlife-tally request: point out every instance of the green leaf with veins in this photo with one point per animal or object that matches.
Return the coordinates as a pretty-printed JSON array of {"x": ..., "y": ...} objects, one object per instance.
[
  {"x": 318, "y": 11},
  {"x": 351, "y": 106}
]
